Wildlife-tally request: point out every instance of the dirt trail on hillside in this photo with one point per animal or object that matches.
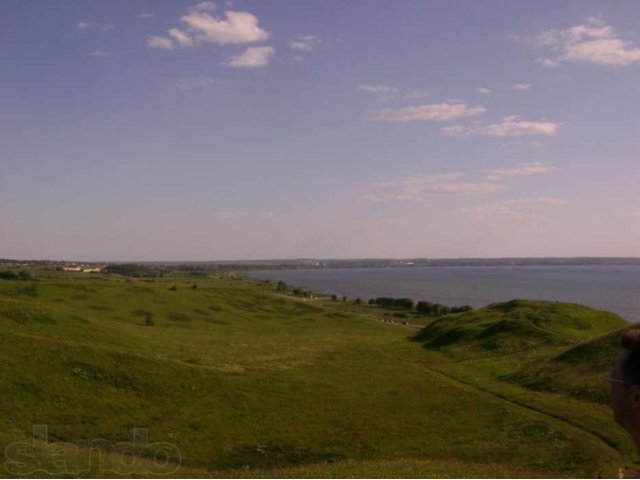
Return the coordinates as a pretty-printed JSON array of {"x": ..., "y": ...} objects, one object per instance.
[{"x": 605, "y": 443}]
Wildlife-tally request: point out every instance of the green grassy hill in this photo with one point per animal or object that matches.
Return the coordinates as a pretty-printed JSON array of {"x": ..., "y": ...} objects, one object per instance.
[
  {"x": 577, "y": 371},
  {"x": 241, "y": 380},
  {"x": 515, "y": 326}
]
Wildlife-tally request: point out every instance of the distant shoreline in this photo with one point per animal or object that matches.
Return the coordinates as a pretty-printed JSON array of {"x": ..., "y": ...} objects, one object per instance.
[
  {"x": 311, "y": 263},
  {"x": 604, "y": 287}
]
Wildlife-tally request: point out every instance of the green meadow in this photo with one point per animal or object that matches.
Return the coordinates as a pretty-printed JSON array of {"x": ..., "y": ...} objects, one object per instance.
[{"x": 106, "y": 376}]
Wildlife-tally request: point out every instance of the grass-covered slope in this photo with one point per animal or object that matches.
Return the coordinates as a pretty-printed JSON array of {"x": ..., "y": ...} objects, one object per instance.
[
  {"x": 576, "y": 371},
  {"x": 241, "y": 378},
  {"x": 517, "y": 325}
]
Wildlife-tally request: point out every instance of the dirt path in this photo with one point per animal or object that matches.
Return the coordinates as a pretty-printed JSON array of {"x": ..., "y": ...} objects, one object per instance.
[{"x": 597, "y": 437}]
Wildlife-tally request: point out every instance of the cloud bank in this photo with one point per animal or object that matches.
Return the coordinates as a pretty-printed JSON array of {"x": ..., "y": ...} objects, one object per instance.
[
  {"x": 509, "y": 127},
  {"x": 439, "y": 112},
  {"x": 593, "y": 42},
  {"x": 419, "y": 188}
]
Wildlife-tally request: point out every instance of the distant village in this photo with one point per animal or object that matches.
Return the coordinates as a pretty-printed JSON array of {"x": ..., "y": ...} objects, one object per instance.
[
  {"x": 308, "y": 263},
  {"x": 54, "y": 265}
]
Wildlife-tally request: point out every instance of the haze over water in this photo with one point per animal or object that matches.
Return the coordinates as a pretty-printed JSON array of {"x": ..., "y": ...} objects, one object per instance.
[{"x": 613, "y": 288}]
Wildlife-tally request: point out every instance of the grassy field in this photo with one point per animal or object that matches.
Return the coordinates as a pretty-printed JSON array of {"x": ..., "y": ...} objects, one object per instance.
[{"x": 235, "y": 379}]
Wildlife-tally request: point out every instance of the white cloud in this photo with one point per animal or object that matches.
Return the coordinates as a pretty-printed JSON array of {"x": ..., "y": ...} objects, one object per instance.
[
  {"x": 305, "y": 43},
  {"x": 522, "y": 86},
  {"x": 592, "y": 42},
  {"x": 614, "y": 52},
  {"x": 252, "y": 57},
  {"x": 515, "y": 128},
  {"x": 200, "y": 26},
  {"x": 241, "y": 215},
  {"x": 238, "y": 27},
  {"x": 509, "y": 127},
  {"x": 437, "y": 112},
  {"x": 146, "y": 15},
  {"x": 82, "y": 25},
  {"x": 547, "y": 62},
  {"x": 190, "y": 83},
  {"x": 419, "y": 188},
  {"x": 101, "y": 54},
  {"x": 376, "y": 88},
  {"x": 483, "y": 90},
  {"x": 153, "y": 41},
  {"x": 525, "y": 169},
  {"x": 183, "y": 39}
]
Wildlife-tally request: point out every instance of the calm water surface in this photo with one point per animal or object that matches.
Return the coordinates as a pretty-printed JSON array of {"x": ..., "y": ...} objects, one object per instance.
[{"x": 613, "y": 288}]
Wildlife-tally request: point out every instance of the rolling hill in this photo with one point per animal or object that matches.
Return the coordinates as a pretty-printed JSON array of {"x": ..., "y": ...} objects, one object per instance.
[
  {"x": 517, "y": 325},
  {"x": 241, "y": 380}
]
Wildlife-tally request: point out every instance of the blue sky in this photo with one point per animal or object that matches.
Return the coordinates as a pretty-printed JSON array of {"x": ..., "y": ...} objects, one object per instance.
[{"x": 151, "y": 130}]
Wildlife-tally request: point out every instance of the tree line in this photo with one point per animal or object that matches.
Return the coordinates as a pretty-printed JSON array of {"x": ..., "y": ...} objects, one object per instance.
[
  {"x": 11, "y": 275},
  {"x": 422, "y": 307}
]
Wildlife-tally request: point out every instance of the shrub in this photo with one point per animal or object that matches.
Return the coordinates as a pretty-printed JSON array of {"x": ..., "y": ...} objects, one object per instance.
[
  {"x": 386, "y": 302},
  {"x": 24, "y": 275},
  {"x": 148, "y": 320},
  {"x": 133, "y": 270},
  {"x": 424, "y": 308},
  {"x": 11, "y": 275},
  {"x": 404, "y": 303}
]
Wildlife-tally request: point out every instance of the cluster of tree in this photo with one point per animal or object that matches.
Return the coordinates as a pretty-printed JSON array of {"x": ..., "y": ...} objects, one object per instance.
[
  {"x": 334, "y": 298},
  {"x": 135, "y": 270},
  {"x": 437, "y": 309},
  {"x": 11, "y": 275},
  {"x": 423, "y": 308},
  {"x": 390, "y": 302},
  {"x": 301, "y": 292}
]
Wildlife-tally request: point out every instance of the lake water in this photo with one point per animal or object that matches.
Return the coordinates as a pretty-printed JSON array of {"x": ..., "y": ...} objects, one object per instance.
[{"x": 613, "y": 288}]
